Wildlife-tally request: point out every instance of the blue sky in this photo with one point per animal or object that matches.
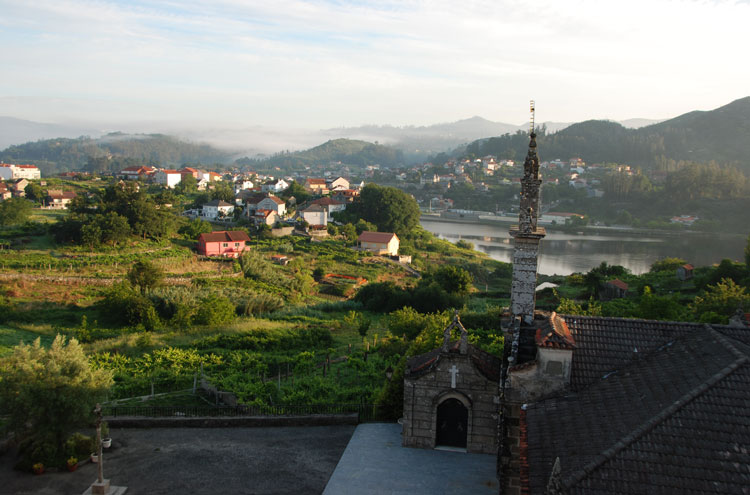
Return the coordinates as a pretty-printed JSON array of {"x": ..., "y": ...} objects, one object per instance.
[{"x": 321, "y": 64}]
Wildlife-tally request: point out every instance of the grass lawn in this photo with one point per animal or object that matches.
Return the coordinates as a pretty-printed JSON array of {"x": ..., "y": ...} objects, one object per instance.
[{"x": 10, "y": 337}]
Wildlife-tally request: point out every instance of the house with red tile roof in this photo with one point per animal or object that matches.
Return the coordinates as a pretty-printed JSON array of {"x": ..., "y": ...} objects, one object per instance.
[
  {"x": 379, "y": 242},
  {"x": 135, "y": 173},
  {"x": 58, "y": 199},
  {"x": 10, "y": 171},
  {"x": 228, "y": 243},
  {"x": 265, "y": 202},
  {"x": 316, "y": 186}
]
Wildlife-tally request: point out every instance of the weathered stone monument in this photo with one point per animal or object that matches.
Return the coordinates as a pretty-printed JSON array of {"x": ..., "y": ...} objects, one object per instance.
[
  {"x": 451, "y": 396},
  {"x": 527, "y": 235}
]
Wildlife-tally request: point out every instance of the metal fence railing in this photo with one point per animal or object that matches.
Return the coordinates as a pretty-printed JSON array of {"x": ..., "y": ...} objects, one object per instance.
[{"x": 365, "y": 412}]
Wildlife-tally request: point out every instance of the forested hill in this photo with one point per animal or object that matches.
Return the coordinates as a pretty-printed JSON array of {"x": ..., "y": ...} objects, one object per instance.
[
  {"x": 347, "y": 151},
  {"x": 111, "y": 153},
  {"x": 721, "y": 135}
]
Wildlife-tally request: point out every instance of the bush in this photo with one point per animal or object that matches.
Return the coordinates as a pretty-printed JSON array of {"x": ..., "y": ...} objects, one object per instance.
[{"x": 214, "y": 310}]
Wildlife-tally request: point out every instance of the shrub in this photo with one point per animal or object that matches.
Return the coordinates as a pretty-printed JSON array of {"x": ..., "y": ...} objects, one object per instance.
[{"x": 214, "y": 310}]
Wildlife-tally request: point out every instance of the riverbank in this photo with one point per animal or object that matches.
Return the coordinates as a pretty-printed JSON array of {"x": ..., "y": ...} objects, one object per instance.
[
  {"x": 565, "y": 252},
  {"x": 505, "y": 221}
]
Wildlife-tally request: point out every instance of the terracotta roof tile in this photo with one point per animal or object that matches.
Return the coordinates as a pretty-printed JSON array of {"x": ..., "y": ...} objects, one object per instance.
[
  {"x": 379, "y": 237},
  {"x": 224, "y": 236}
]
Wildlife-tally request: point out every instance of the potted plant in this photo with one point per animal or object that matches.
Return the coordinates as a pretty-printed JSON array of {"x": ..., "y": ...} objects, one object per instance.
[
  {"x": 72, "y": 463},
  {"x": 94, "y": 457},
  {"x": 38, "y": 468},
  {"x": 106, "y": 439}
]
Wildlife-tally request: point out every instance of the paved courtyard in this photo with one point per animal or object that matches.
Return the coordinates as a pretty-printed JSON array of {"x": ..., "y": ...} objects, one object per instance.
[
  {"x": 374, "y": 462},
  {"x": 279, "y": 460}
]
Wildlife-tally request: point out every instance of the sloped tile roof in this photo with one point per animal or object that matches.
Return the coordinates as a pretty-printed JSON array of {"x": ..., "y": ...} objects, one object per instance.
[
  {"x": 604, "y": 344},
  {"x": 673, "y": 417},
  {"x": 224, "y": 236},
  {"x": 379, "y": 237}
]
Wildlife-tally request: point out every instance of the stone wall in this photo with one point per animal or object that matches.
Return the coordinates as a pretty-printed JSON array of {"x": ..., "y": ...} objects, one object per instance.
[
  {"x": 510, "y": 454},
  {"x": 524, "y": 276},
  {"x": 423, "y": 394}
]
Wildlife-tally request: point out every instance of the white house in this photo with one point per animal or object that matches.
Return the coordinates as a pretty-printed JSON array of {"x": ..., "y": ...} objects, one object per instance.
[
  {"x": 266, "y": 202},
  {"x": 208, "y": 176},
  {"x": 330, "y": 206},
  {"x": 379, "y": 242},
  {"x": 337, "y": 184},
  {"x": 10, "y": 171},
  {"x": 168, "y": 178},
  {"x": 558, "y": 217},
  {"x": 314, "y": 215},
  {"x": 242, "y": 184},
  {"x": 275, "y": 186},
  {"x": 217, "y": 209}
]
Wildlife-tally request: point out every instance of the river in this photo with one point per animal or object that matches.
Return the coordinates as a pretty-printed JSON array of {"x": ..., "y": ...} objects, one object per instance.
[{"x": 565, "y": 253}]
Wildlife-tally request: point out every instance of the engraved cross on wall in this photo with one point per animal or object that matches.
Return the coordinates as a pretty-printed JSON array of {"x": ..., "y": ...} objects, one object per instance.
[{"x": 454, "y": 374}]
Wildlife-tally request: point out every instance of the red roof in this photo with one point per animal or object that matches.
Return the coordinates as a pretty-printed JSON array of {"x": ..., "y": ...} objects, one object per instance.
[
  {"x": 618, "y": 283},
  {"x": 687, "y": 266},
  {"x": 379, "y": 237},
  {"x": 224, "y": 236},
  {"x": 326, "y": 201},
  {"x": 316, "y": 181}
]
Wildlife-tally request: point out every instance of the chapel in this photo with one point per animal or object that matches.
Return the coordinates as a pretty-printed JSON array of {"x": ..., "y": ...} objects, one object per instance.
[{"x": 451, "y": 396}]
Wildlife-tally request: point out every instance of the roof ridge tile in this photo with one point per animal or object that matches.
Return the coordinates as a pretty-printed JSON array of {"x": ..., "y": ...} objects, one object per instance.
[{"x": 660, "y": 417}]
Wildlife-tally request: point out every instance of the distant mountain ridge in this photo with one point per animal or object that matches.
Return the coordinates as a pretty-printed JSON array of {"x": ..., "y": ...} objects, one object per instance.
[
  {"x": 346, "y": 151},
  {"x": 722, "y": 135},
  {"x": 111, "y": 151}
]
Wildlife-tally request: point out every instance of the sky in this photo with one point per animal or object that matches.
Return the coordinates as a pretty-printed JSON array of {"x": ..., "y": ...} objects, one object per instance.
[{"x": 327, "y": 64}]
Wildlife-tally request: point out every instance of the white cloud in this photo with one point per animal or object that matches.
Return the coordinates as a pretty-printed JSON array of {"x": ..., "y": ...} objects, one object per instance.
[{"x": 326, "y": 64}]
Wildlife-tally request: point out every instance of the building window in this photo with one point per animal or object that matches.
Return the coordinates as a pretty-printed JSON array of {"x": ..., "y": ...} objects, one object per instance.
[
  {"x": 236, "y": 244},
  {"x": 225, "y": 244},
  {"x": 555, "y": 368}
]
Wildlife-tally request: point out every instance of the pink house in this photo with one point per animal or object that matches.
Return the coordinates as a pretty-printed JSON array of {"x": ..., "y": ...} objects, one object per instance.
[{"x": 230, "y": 243}]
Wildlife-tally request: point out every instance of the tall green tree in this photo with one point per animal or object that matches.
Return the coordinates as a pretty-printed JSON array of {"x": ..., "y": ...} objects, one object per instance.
[
  {"x": 391, "y": 209},
  {"x": 34, "y": 192},
  {"x": 14, "y": 211},
  {"x": 145, "y": 276},
  {"x": 47, "y": 393}
]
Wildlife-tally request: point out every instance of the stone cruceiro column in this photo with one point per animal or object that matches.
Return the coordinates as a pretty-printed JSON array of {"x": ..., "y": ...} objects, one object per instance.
[{"x": 527, "y": 235}]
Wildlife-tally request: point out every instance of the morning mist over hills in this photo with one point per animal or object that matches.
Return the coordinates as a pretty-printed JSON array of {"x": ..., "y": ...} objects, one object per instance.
[
  {"x": 722, "y": 135},
  {"x": 264, "y": 140}
]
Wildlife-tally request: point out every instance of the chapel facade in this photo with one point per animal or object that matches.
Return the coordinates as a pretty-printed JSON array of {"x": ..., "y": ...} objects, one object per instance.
[{"x": 451, "y": 396}]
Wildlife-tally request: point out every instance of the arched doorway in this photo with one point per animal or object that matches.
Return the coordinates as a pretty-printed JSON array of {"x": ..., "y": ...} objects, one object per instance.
[{"x": 452, "y": 423}]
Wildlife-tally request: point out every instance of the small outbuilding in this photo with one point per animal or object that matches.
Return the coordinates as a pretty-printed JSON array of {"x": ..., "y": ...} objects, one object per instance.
[
  {"x": 685, "y": 272},
  {"x": 451, "y": 396}
]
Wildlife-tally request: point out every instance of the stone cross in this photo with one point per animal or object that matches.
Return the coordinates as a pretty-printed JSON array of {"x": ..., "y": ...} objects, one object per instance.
[{"x": 454, "y": 373}]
